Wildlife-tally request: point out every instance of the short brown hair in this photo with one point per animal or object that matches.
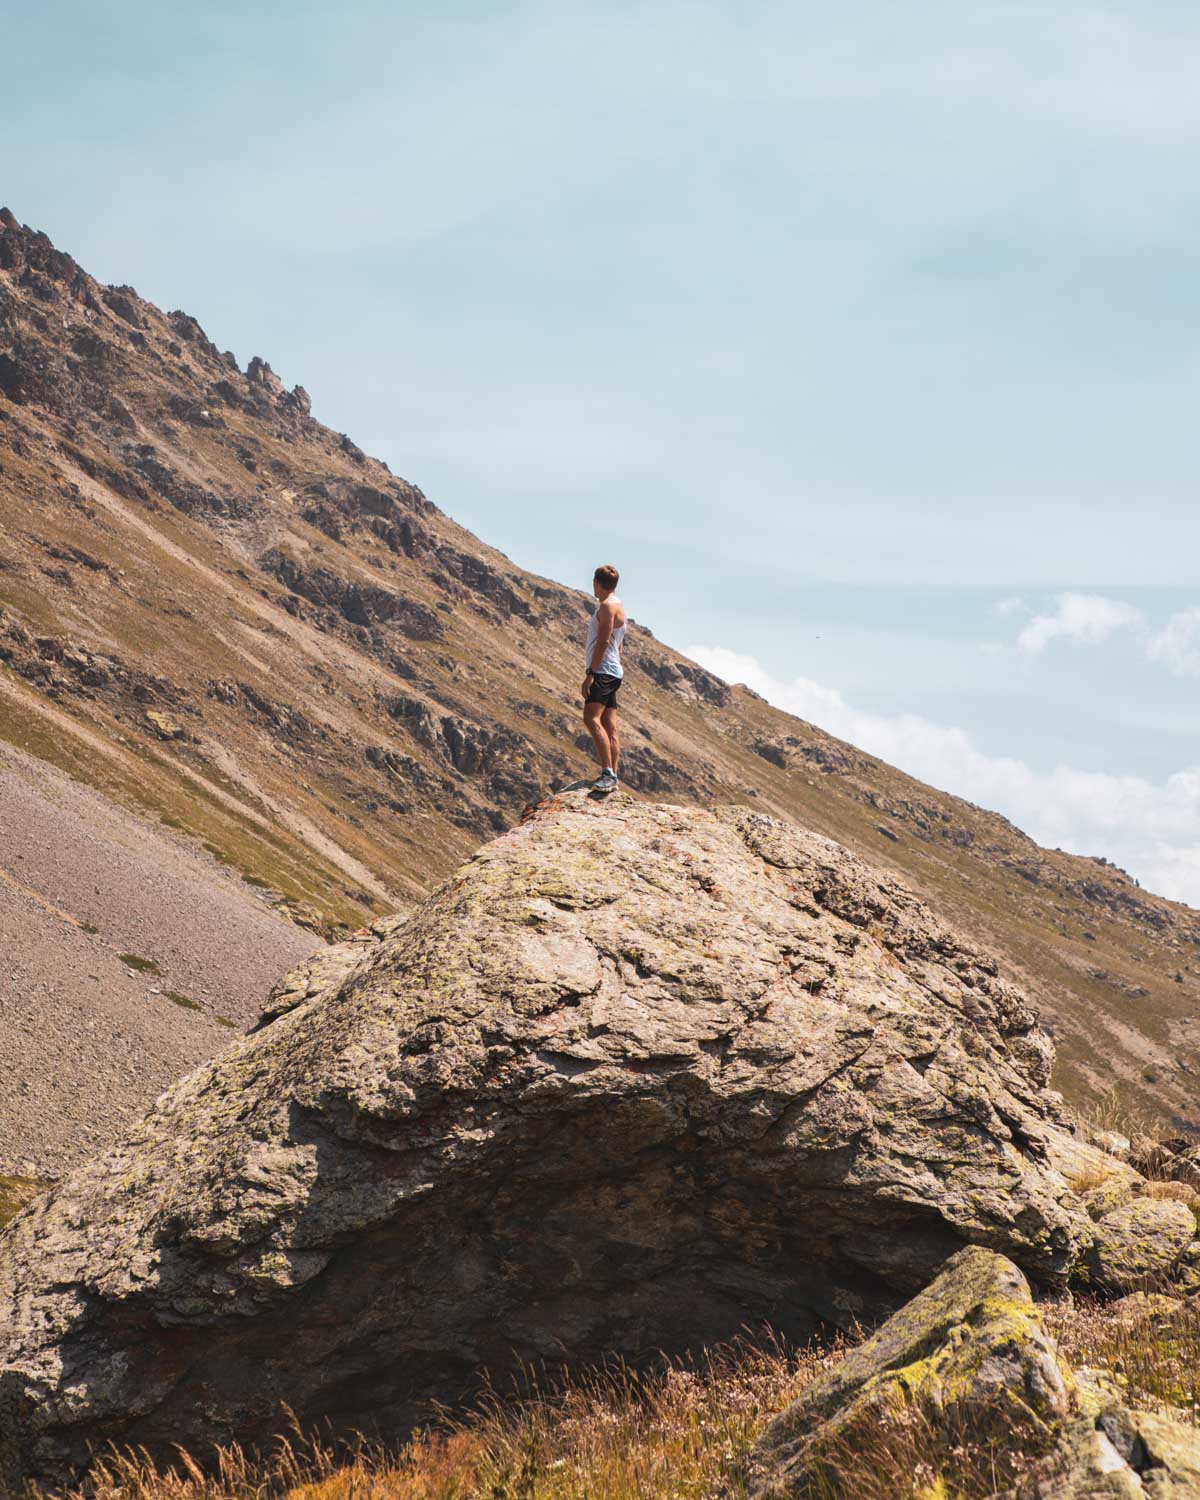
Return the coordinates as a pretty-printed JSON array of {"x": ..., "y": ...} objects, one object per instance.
[{"x": 607, "y": 576}]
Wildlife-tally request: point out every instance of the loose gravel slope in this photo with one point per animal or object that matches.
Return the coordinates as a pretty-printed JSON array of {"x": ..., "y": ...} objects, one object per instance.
[{"x": 126, "y": 957}]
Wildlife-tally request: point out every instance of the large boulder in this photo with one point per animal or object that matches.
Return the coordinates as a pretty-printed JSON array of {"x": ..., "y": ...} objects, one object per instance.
[{"x": 635, "y": 1077}]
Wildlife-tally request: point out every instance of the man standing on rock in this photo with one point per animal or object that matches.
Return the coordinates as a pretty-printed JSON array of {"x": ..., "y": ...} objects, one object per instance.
[{"x": 606, "y": 631}]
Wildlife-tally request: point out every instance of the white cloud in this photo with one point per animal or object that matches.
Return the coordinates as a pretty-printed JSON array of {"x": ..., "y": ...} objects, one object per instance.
[
  {"x": 1177, "y": 644},
  {"x": 1086, "y": 619},
  {"x": 1150, "y": 829},
  {"x": 1010, "y": 606}
]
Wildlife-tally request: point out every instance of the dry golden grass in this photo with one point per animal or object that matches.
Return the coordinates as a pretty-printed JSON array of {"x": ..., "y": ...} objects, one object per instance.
[
  {"x": 1150, "y": 1348},
  {"x": 1087, "y": 1179},
  {"x": 679, "y": 1433},
  {"x": 908, "y": 1455},
  {"x": 15, "y": 1193},
  {"x": 1182, "y": 1192},
  {"x": 615, "y": 1435}
]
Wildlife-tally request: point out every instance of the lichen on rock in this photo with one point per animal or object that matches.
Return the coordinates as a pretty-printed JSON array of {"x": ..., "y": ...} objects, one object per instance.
[
  {"x": 1118, "y": 1454},
  {"x": 1139, "y": 1242},
  {"x": 969, "y": 1364},
  {"x": 969, "y": 1348}
]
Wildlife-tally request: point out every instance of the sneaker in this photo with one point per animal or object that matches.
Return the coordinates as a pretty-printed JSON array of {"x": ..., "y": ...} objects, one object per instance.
[{"x": 606, "y": 781}]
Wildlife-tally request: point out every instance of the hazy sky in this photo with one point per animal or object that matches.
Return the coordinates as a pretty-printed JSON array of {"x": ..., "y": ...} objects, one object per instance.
[{"x": 862, "y": 337}]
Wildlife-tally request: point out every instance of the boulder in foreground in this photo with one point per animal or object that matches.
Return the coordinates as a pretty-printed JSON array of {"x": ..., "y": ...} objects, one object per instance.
[
  {"x": 1118, "y": 1454},
  {"x": 961, "y": 1378},
  {"x": 971, "y": 1346},
  {"x": 634, "y": 1078}
]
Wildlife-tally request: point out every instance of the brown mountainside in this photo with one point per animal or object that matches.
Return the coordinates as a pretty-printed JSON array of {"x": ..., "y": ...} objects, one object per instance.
[{"x": 232, "y": 621}]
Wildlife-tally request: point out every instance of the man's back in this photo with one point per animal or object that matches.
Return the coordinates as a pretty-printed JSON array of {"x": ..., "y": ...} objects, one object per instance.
[{"x": 608, "y": 613}]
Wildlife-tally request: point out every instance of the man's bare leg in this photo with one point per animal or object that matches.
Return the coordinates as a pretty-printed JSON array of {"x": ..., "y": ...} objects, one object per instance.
[
  {"x": 608, "y": 720},
  {"x": 592, "y": 713}
]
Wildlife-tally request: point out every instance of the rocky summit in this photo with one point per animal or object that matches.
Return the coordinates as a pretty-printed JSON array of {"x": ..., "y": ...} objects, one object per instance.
[{"x": 635, "y": 1077}]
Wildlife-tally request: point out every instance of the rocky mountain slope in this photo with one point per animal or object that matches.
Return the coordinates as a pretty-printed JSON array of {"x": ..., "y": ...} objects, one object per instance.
[
  {"x": 232, "y": 621},
  {"x": 636, "y": 1077}
]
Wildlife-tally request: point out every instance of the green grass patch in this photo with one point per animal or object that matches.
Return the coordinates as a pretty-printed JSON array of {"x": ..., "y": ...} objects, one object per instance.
[
  {"x": 185, "y": 1002},
  {"x": 142, "y": 965}
]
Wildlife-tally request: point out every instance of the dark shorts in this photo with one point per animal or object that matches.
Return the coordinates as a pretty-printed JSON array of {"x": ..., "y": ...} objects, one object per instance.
[{"x": 604, "y": 690}]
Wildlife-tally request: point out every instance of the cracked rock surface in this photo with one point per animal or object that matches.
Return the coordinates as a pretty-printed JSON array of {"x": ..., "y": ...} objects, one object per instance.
[{"x": 634, "y": 1078}]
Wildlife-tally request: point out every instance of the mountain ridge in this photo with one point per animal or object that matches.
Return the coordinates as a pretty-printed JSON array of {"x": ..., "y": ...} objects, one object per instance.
[{"x": 230, "y": 619}]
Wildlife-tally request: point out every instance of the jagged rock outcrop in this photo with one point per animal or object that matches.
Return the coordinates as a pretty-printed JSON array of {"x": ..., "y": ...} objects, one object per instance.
[
  {"x": 689, "y": 681},
  {"x": 633, "y": 1078},
  {"x": 967, "y": 1362},
  {"x": 971, "y": 1346},
  {"x": 356, "y": 602}
]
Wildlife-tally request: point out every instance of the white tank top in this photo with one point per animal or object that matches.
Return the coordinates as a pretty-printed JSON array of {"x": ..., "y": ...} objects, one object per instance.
[{"x": 610, "y": 666}]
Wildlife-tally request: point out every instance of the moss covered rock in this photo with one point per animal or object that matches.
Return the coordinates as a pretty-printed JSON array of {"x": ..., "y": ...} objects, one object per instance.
[
  {"x": 1118, "y": 1455},
  {"x": 1140, "y": 1242},
  {"x": 970, "y": 1347}
]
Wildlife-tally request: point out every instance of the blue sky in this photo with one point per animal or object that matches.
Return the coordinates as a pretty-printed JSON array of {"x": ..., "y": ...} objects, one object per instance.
[{"x": 836, "y": 327}]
